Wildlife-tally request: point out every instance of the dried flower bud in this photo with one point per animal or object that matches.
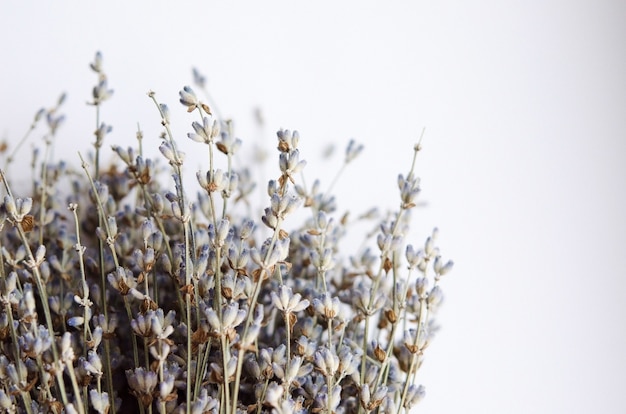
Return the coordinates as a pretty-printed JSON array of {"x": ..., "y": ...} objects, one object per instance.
[
  {"x": 165, "y": 114},
  {"x": 99, "y": 401},
  {"x": 441, "y": 268},
  {"x": 101, "y": 92},
  {"x": 205, "y": 132},
  {"x": 227, "y": 144},
  {"x": 353, "y": 150},
  {"x": 100, "y": 133},
  {"x": 326, "y": 306},
  {"x": 288, "y": 302},
  {"x": 142, "y": 382},
  {"x": 96, "y": 66},
  {"x": 198, "y": 78},
  {"x": 414, "y": 395},
  {"x": 188, "y": 98},
  {"x": 246, "y": 229},
  {"x": 287, "y": 140},
  {"x": 174, "y": 157},
  {"x": 421, "y": 285}
]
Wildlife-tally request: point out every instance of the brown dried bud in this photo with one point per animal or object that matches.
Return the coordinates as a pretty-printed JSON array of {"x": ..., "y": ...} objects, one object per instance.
[
  {"x": 227, "y": 292},
  {"x": 412, "y": 348},
  {"x": 387, "y": 265},
  {"x": 344, "y": 218},
  {"x": 123, "y": 287},
  {"x": 391, "y": 315},
  {"x": 148, "y": 304},
  {"x": 223, "y": 148},
  {"x": 206, "y": 108},
  {"x": 188, "y": 290},
  {"x": 28, "y": 222},
  {"x": 380, "y": 353},
  {"x": 292, "y": 321},
  {"x": 283, "y": 146}
]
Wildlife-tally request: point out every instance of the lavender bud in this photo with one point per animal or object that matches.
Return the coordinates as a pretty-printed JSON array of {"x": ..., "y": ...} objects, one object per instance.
[
  {"x": 165, "y": 113},
  {"x": 414, "y": 395},
  {"x": 353, "y": 151},
  {"x": 246, "y": 229},
  {"x": 99, "y": 401},
  {"x": 188, "y": 98}
]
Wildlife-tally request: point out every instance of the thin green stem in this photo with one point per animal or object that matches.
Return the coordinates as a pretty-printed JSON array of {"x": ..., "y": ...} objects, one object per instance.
[
  {"x": 41, "y": 288},
  {"x": 251, "y": 309},
  {"x": 44, "y": 184},
  {"x": 225, "y": 358},
  {"x": 25, "y": 395},
  {"x": 21, "y": 142},
  {"x": 77, "y": 394},
  {"x": 286, "y": 316}
]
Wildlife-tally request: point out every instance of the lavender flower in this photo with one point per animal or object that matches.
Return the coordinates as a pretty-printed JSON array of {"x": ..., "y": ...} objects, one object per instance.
[{"x": 202, "y": 311}]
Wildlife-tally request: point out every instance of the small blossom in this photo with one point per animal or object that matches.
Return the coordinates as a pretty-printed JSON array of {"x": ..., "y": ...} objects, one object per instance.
[
  {"x": 142, "y": 382},
  {"x": 198, "y": 78},
  {"x": 166, "y": 387},
  {"x": 189, "y": 99},
  {"x": 99, "y": 401},
  {"x": 409, "y": 189},
  {"x": 363, "y": 301},
  {"x": 227, "y": 144},
  {"x": 66, "y": 350},
  {"x": 323, "y": 262},
  {"x": 435, "y": 298},
  {"x": 93, "y": 364},
  {"x": 370, "y": 402},
  {"x": 232, "y": 317},
  {"x": 161, "y": 325},
  {"x": 353, "y": 150},
  {"x": 326, "y": 362},
  {"x": 160, "y": 352},
  {"x": 274, "y": 394},
  {"x": 101, "y": 92},
  {"x": 101, "y": 132},
  {"x": 290, "y": 163},
  {"x": 96, "y": 65},
  {"x": 287, "y": 140},
  {"x": 165, "y": 114},
  {"x": 17, "y": 208},
  {"x": 205, "y": 132},
  {"x": 108, "y": 326},
  {"x": 175, "y": 158},
  {"x": 414, "y": 395},
  {"x": 442, "y": 268},
  {"x": 288, "y": 302},
  {"x": 124, "y": 282},
  {"x": 326, "y": 306}
]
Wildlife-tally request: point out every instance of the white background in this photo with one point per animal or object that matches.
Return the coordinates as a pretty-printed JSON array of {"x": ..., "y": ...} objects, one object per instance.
[{"x": 524, "y": 105}]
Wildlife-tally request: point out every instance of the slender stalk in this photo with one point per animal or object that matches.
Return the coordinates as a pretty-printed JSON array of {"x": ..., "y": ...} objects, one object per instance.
[
  {"x": 44, "y": 184},
  {"x": 77, "y": 394},
  {"x": 25, "y": 395},
  {"x": 225, "y": 357},
  {"x": 286, "y": 316},
  {"x": 251, "y": 309},
  {"x": 80, "y": 250},
  {"x": 103, "y": 223},
  {"x": 21, "y": 142},
  {"x": 41, "y": 288}
]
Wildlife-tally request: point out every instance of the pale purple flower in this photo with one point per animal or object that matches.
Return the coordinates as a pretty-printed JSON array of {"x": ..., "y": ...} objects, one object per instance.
[{"x": 288, "y": 302}]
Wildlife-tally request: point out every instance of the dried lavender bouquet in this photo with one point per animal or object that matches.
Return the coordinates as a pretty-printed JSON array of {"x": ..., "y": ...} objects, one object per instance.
[{"x": 124, "y": 294}]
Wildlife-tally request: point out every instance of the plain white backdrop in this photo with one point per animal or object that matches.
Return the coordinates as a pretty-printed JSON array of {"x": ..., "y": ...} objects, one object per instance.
[{"x": 524, "y": 105}]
